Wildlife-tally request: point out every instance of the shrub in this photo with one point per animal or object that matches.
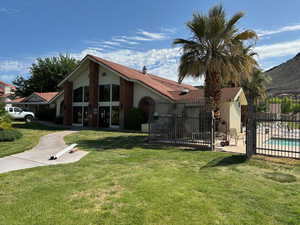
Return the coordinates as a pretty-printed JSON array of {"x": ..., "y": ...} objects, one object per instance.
[
  {"x": 5, "y": 122},
  {"x": 134, "y": 118},
  {"x": 9, "y": 135}
]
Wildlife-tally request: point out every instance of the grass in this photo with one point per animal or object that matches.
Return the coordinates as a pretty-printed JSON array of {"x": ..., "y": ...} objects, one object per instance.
[
  {"x": 124, "y": 180},
  {"x": 31, "y": 135}
]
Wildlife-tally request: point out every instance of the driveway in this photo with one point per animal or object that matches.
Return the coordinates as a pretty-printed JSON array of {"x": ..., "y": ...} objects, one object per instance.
[{"x": 39, "y": 155}]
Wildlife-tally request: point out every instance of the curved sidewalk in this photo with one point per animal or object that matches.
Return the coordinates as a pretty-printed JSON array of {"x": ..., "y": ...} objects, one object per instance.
[{"x": 39, "y": 155}]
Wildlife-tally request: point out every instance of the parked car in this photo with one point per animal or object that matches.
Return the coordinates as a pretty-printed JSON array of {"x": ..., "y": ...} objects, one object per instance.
[{"x": 17, "y": 113}]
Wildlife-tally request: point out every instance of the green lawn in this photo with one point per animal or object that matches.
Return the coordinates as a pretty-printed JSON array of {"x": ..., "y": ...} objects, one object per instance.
[
  {"x": 31, "y": 135},
  {"x": 126, "y": 181}
]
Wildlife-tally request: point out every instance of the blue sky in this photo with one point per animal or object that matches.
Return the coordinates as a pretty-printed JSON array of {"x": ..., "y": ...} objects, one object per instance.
[{"x": 133, "y": 32}]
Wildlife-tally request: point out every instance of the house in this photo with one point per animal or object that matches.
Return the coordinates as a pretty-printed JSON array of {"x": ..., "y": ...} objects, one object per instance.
[
  {"x": 6, "y": 91},
  {"x": 43, "y": 104},
  {"x": 99, "y": 93}
]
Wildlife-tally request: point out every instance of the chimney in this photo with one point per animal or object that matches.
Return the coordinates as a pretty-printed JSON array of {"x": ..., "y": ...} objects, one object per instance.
[{"x": 144, "y": 70}]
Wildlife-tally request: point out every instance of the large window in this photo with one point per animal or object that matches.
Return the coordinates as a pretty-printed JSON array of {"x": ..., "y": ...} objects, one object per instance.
[
  {"x": 86, "y": 94},
  {"x": 115, "y": 93},
  {"x": 78, "y": 95},
  {"x": 104, "y": 93},
  {"x": 77, "y": 114}
]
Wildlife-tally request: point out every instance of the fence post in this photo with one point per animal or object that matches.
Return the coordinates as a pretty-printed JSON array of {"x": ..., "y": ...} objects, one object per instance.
[
  {"x": 251, "y": 129},
  {"x": 212, "y": 132}
]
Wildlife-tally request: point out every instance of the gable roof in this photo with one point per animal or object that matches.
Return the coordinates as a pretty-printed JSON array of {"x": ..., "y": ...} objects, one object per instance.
[
  {"x": 158, "y": 84},
  {"x": 168, "y": 88},
  {"x": 47, "y": 97}
]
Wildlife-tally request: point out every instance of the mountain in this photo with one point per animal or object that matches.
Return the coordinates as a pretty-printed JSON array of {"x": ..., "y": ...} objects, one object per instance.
[{"x": 285, "y": 77}]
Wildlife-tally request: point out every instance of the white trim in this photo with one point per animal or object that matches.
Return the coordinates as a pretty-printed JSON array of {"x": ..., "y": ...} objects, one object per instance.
[{"x": 241, "y": 91}]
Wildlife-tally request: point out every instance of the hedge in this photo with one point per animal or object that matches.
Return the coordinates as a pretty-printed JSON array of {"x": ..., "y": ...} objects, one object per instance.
[{"x": 9, "y": 135}]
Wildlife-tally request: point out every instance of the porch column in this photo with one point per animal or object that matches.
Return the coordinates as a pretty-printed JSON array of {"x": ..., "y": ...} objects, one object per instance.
[
  {"x": 68, "y": 102},
  {"x": 93, "y": 93},
  {"x": 126, "y": 100}
]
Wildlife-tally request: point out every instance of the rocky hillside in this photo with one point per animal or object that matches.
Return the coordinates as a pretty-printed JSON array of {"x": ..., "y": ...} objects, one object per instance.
[{"x": 285, "y": 77}]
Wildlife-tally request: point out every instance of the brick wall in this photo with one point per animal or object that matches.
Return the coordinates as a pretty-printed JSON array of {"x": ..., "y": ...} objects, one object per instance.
[
  {"x": 93, "y": 93},
  {"x": 68, "y": 99},
  {"x": 126, "y": 99}
]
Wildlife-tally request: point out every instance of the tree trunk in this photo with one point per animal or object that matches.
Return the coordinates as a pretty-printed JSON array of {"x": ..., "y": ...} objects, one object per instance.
[{"x": 213, "y": 90}]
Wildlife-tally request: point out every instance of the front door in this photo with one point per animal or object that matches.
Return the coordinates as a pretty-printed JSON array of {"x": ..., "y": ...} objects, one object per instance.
[{"x": 104, "y": 116}]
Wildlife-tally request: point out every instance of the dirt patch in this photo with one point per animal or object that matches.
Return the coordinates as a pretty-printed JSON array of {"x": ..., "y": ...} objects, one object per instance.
[
  {"x": 98, "y": 197},
  {"x": 280, "y": 177}
]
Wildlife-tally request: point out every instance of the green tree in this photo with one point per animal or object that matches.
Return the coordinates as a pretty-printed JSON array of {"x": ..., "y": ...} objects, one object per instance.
[
  {"x": 216, "y": 51},
  {"x": 255, "y": 85},
  {"x": 45, "y": 75}
]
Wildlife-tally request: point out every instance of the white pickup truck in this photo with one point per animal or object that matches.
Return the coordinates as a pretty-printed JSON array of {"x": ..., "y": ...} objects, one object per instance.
[{"x": 20, "y": 114}]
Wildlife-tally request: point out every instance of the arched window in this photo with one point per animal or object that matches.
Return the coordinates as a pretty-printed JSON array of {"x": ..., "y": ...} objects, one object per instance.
[{"x": 147, "y": 105}]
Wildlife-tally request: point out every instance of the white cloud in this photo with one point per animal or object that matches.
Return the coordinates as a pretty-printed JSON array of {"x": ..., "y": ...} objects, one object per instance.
[
  {"x": 131, "y": 40},
  {"x": 12, "y": 65},
  {"x": 278, "y": 49},
  {"x": 162, "y": 62},
  {"x": 153, "y": 36},
  {"x": 9, "y": 11},
  {"x": 262, "y": 33}
]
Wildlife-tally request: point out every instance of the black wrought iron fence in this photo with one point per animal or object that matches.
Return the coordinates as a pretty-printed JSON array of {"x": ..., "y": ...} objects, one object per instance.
[
  {"x": 274, "y": 127},
  {"x": 188, "y": 124}
]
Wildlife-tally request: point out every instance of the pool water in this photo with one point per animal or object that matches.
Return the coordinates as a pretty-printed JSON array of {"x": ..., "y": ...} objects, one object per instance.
[{"x": 285, "y": 142}]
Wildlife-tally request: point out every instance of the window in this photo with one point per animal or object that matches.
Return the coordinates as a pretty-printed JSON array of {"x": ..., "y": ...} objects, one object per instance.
[
  {"x": 17, "y": 110},
  {"x": 104, "y": 93},
  {"x": 77, "y": 114},
  {"x": 77, "y": 95},
  {"x": 10, "y": 109},
  {"x": 86, "y": 94},
  {"x": 115, "y": 93}
]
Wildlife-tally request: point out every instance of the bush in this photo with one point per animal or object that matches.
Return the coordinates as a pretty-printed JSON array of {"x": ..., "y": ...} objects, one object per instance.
[
  {"x": 134, "y": 118},
  {"x": 5, "y": 121},
  {"x": 9, "y": 135}
]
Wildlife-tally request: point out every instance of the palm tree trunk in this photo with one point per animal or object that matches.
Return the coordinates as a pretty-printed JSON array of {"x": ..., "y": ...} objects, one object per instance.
[{"x": 213, "y": 90}]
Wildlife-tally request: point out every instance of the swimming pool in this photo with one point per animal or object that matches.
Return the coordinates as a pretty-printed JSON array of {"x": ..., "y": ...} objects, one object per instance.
[{"x": 284, "y": 142}]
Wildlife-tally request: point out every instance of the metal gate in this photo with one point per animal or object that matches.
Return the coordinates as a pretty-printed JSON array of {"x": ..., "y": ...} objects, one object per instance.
[
  {"x": 185, "y": 124},
  {"x": 273, "y": 127}
]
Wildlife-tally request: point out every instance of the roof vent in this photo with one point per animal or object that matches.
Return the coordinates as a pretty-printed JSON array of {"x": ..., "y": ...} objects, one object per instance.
[
  {"x": 144, "y": 70},
  {"x": 184, "y": 91}
]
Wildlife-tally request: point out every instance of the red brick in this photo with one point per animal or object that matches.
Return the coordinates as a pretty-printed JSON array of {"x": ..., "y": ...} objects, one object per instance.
[
  {"x": 126, "y": 99},
  {"x": 68, "y": 99},
  {"x": 93, "y": 93}
]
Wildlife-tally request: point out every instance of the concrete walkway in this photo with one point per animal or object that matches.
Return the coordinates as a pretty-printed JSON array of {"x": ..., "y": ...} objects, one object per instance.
[{"x": 39, "y": 155}]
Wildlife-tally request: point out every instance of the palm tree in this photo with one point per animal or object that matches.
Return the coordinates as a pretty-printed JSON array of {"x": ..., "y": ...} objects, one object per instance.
[
  {"x": 255, "y": 85},
  {"x": 216, "y": 51}
]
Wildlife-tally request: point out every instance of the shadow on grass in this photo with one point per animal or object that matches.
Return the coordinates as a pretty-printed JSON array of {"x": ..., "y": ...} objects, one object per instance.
[
  {"x": 33, "y": 126},
  {"x": 124, "y": 142},
  {"x": 226, "y": 161}
]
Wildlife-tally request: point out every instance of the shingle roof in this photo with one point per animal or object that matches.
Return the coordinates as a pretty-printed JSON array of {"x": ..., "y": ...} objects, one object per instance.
[
  {"x": 48, "y": 96},
  {"x": 169, "y": 88},
  {"x": 227, "y": 94},
  {"x": 159, "y": 84}
]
